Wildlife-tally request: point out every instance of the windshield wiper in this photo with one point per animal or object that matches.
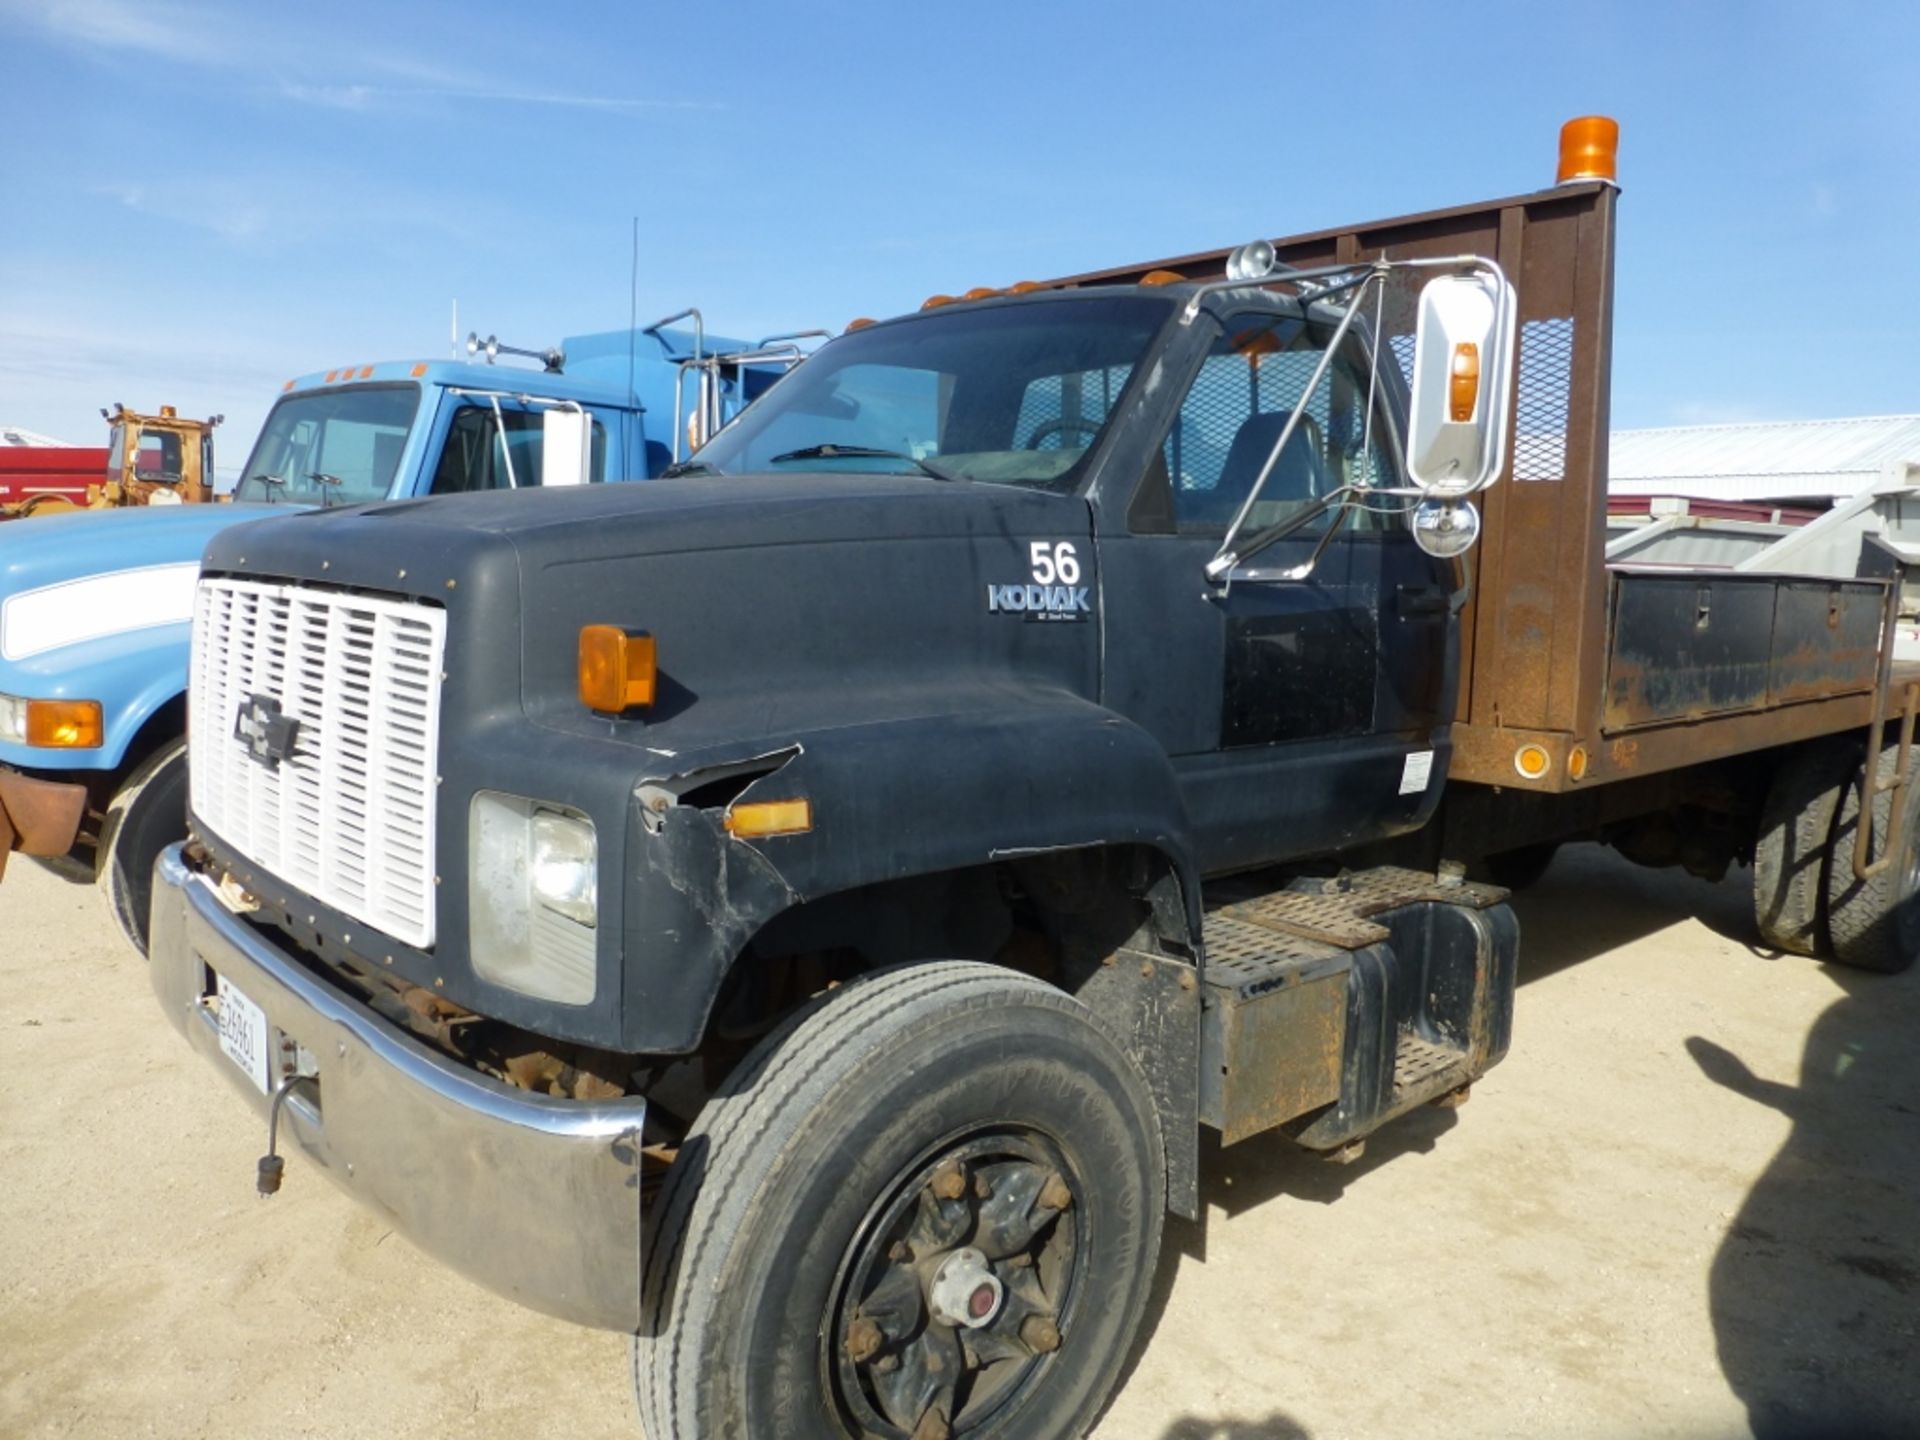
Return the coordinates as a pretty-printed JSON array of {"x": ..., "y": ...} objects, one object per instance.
[
  {"x": 687, "y": 467},
  {"x": 329, "y": 485},
  {"x": 831, "y": 451},
  {"x": 267, "y": 484}
]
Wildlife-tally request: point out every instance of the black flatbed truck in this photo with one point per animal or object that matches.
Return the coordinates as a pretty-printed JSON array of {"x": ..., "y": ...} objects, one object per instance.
[{"x": 802, "y": 913}]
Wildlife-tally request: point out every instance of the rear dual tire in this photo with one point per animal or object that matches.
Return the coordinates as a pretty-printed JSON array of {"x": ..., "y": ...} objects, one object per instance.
[
  {"x": 908, "y": 1125},
  {"x": 1874, "y": 924},
  {"x": 1806, "y": 898}
]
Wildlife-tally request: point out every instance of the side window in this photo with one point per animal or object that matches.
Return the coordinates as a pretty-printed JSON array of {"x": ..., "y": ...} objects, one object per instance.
[
  {"x": 1247, "y": 391},
  {"x": 474, "y": 459}
]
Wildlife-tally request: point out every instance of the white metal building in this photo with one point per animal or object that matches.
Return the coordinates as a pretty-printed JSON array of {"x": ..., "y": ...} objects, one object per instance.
[
  {"x": 1810, "y": 461},
  {"x": 13, "y": 435}
]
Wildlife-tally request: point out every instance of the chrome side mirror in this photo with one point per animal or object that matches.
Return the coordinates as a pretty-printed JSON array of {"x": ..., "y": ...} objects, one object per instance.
[
  {"x": 566, "y": 451},
  {"x": 1462, "y": 384}
]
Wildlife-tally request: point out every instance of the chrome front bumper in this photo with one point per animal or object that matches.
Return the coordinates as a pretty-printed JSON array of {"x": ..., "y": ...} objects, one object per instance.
[{"x": 534, "y": 1197}]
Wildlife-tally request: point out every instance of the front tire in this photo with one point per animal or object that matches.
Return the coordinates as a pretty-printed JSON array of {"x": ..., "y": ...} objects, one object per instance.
[
  {"x": 148, "y": 814},
  {"x": 929, "y": 1205}
]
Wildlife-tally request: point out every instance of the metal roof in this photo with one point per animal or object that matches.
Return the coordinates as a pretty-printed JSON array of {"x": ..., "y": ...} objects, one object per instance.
[
  {"x": 1770, "y": 460},
  {"x": 13, "y": 435}
]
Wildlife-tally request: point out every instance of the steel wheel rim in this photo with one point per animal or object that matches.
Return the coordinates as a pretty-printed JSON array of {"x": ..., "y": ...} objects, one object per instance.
[{"x": 894, "y": 1367}]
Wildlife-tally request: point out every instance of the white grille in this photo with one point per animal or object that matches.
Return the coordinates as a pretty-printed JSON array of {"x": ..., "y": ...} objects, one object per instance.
[{"x": 348, "y": 818}]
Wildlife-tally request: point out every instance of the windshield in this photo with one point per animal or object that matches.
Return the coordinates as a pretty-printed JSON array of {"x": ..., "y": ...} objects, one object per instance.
[
  {"x": 1012, "y": 394},
  {"x": 335, "y": 447}
]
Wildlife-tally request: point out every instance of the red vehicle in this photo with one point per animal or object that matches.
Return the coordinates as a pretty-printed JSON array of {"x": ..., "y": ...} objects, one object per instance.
[{"x": 31, "y": 474}]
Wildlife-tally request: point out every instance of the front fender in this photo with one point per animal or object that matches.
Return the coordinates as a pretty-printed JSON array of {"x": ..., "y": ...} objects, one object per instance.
[
  {"x": 132, "y": 674},
  {"x": 890, "y": 800}
]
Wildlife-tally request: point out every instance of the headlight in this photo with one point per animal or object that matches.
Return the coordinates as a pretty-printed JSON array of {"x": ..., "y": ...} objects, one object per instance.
[
  {"x": 532, "y": 897},
  {"x": 563, "y": 865},
  {"x": 13, "y": 719}
]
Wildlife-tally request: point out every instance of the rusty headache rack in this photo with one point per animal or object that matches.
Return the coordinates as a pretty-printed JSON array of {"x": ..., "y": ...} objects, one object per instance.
[{"x": 1573, "y": 673}]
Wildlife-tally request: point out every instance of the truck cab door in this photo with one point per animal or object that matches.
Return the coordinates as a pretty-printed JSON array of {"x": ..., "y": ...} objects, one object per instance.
[
  {"x": 1298, "y": 712},
  {"x": 479, "y": 448}
]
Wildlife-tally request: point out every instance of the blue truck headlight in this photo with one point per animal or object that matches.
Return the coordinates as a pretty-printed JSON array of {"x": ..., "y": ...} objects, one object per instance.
[
  {"x": 13, "y": 719},
  {"x": 533, "y": 893}
]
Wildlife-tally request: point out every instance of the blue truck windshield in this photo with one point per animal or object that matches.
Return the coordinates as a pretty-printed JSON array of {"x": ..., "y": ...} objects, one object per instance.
[
  {"x": 1011, "y": 394},
  {"x": 331, "y": 447}
]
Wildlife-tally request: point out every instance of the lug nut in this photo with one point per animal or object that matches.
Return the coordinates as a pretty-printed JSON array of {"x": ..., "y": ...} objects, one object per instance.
[
  {"x": 1054, "y": 1194},
  {"x": 1039, "y": 1334},
  {"x": 900, "y": 1253},
  {"x": 863, "y": 1340},
  {"x": 887, "y": 1364},
  {"x": 949, "y": 1183},
  {"x": 982, "y": 1186}
]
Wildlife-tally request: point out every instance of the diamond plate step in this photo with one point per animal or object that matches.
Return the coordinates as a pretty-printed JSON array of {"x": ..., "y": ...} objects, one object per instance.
[{"x": 1340, "y": 911}]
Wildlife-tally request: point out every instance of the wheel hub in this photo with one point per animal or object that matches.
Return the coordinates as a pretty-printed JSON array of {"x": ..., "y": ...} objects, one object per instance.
[{"x": 964, "y": 1291}]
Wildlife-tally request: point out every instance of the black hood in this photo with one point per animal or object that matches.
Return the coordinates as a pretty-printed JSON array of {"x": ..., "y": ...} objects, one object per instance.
[{"x": 654, "y": 517}]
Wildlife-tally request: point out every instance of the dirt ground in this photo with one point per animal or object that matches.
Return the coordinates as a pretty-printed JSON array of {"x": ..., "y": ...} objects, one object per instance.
[{"x": 1688, "y": 1205}]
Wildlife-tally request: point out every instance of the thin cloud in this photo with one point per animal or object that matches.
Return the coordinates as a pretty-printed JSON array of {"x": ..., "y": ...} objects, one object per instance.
[
  {"x": 368, "y": 97},
  {"x": 171, "y": 32},
  {"x": 148, "y": 28}
]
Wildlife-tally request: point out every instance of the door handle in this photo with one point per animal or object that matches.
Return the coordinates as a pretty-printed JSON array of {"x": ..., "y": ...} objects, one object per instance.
[{"x": 1420, "y": 600}]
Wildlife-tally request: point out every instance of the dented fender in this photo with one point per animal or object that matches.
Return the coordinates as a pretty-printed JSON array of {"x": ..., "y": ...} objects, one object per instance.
[{"x": 890, "y": 800}]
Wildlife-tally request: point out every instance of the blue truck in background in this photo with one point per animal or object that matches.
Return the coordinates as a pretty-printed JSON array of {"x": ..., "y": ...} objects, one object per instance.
[{"x": 96, "y": 609}]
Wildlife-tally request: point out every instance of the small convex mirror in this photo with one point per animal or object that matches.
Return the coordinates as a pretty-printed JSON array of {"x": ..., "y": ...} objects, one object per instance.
[
  {"x": 566, "y": 446},
  {"x": 1462, "y": 383},
  {"x": 1445, "y": 528}
]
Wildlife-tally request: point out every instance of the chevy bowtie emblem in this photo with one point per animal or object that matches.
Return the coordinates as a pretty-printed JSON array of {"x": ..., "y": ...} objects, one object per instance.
[{"x": 265, "y": 730}]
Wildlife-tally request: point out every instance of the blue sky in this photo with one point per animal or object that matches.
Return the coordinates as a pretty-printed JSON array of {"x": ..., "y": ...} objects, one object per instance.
[{"x": 200, "y": 200}]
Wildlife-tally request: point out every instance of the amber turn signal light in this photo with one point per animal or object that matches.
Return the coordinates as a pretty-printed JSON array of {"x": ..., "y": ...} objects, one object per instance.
[
  {"x": 617, "y": 670},
  {"x": 770, "y": 817},
  {"x": 1463, "y": 383},
  {"x": 64, "y": 724}
]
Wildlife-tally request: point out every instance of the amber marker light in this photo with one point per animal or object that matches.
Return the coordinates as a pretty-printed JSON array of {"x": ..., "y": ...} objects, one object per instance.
[
  {"x": 1162, "y": 277},
  {"x": 860, "y": 322},
  {"x": 1589, "y": 150},
  {"x": 770, "y": 817},
  {"x": 617, "y": 670},
  {"x": 1531, "y": 761},
  {"x": 1463, "y": 383},
  {"x": 934, "y": 302},
  {"x": 64, "y": 724},
  {"x": 419, "y": 369},
  {"x": 1577, "y": 763}
]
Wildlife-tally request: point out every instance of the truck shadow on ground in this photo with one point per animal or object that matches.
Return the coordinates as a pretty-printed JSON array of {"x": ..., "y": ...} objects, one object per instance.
[
  {"x": 1592, "y": 900},
  {"x": 1231, "y": 1427},
  {"x": 1815, "y": 1292}
]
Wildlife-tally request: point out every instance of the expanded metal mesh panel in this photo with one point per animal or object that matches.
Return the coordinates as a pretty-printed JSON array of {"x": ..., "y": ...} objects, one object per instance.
[
  {"x": 1540, "y": 400},
  {"x": 342, "y": 807},
  {"x": 1401, "y": 347}
]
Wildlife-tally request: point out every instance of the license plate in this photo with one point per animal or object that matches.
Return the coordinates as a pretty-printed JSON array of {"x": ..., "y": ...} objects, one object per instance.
[{"x": 243, "y": 1032}]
